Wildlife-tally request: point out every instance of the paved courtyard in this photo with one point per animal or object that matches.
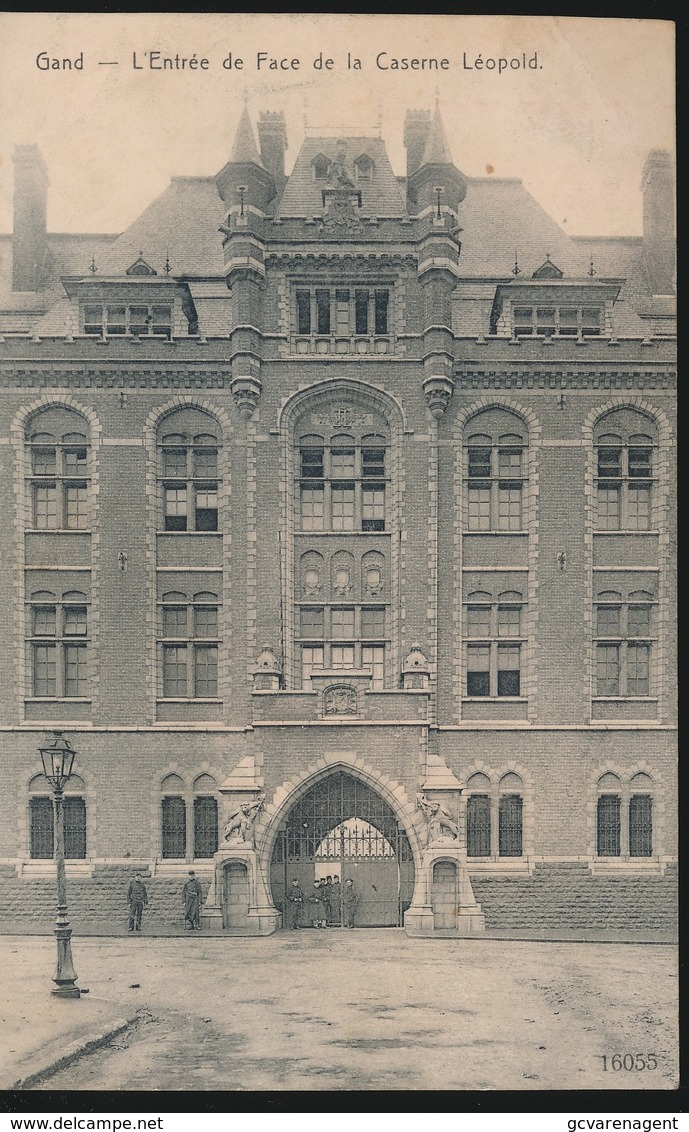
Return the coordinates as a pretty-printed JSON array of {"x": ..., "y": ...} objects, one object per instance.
[{"x": 346, "y": 1010}]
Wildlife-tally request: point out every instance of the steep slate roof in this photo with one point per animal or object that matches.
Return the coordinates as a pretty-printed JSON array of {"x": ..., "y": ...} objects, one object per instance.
[
  {"x": 244, "y": 148},
  {"x": 182, "y": 224},
  {"x": 379, "y": 197},
  {"x": 437, "y": 149},
  {"x": 69, "y": 254}
]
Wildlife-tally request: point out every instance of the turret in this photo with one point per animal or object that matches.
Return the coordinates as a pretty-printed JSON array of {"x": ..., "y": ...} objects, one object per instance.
[
  {"x": 244, "y": 180},
  {"x": 436, "y": 181},
  {"x": 30, "y": 246}
]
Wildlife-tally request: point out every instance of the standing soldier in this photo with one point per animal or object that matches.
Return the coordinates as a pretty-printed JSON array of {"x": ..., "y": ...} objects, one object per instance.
[
  {"x": 191, "y": 895},
  {"x": 336, "y": 901},
  {"x": 295, "y": 901},
  {"x": 137, "y": 897},
  {"x": 327, "y": 887},
  {"x": 316, "y": 902},
  {"x": 351, "y": 902}
]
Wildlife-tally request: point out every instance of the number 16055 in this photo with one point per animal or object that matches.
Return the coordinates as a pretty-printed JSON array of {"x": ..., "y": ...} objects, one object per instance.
[{"x": 631, "y": 1062}]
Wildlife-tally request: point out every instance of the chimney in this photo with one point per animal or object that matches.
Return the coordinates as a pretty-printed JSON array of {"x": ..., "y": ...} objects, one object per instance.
[
  {"x": 657, "y": 185},
  {"x": 272, "y": 139},
  {"x": 416, "y": 126},
  {"x": 30, "y": 246}
]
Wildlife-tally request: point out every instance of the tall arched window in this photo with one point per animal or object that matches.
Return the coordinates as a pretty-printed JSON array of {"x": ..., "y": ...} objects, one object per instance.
[
  {"x": 625, "y": 442},
  {"x": 173, "y": 818},
  {"x": 42, "y": 819},
  {"x": 624, "y": 815},
  {"x": 58, "y": 443},
  {"x": 495, "y": 821},
  {"x": 343, "y": 523},
  {"x": 205, "y": 816},
  {"x": 495, "y": 471},
  {"x": 188, "y": 442}
]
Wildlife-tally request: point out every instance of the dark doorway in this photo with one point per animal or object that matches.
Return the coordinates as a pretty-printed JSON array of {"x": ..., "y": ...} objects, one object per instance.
[{"x": 343, "y": 828}]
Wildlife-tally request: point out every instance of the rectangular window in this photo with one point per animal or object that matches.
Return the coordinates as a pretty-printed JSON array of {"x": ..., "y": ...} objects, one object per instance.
[
  {"x": 509, "y": 621},
  {"x": 205, "y": 622},
  {"x": 304, "y": 312},
  {"x": 42, "y": 826},
  {"x": 478, "y": 670},
  {"x": 591, "y": 320},
  {"x": 509, "y": 463},
  {"x": 323, "y": 311},
  {"x": 508, "y": 670},
  {"x": 639, "y": 621},
  {"x": 640, "y": 826},
  {"x": 479, "y": 462},
  {"x": 478, "y": 621},
  {"x": 342, "y": 507},
  {"x": 76, "y": 684},
  {"x": 510, "y": 826},
  {"x": 361, "y": 312},
  {"x": 608, "y": 621},
  {"x": 509, "y": 507},
  {"x": 372, "y": 622},
  {"x": 342, "y": 463},
  {"x": 342, "y": 621},
  {"x": 43, "y": 462},
  {"x": 373, "y": 463},
  {"x": 373, "y": 507},
  {"x": 546, "y": 321},
  {"x": 45, "y": 507},
  {"x": 312, "y": 622},
  {"x": 174, "y": 823},
  {"x": 607, "y": 670},
  {"x": 638, "y": 507},
  {"x": 523, "y": 321},
  {"x": 311, "y": 661},
  {"x": 373, "y": 658},
  {"x": 162, "y": 321},
  {"x": 174, "y": 671},
  {"x": 342, "y": 656},
  {"x": 174, "y": 621},
  {"x": 44, "y": 621},
  {"x": 93, "y": 322},
  {"x": 637, "y": 670},
  {"x": 117, "y": 320},
  {"x": 139, "y": 320},
  {"x": 205, "y": 827},
  {"x": 75, "y": 620},
  {"x": 175, "y": 463},
  {"x": 312, "y": 509},
  {"x": 75, "y": 461},
  {"x": 608, "y": 508},
  {"x": 76, "y": 499},
  {"x": 478, "y": 509},
  {"x": 206, "y": 509},
  {"x": 342, "y": 312},
  {"x": 568, "y": 322},
  {"x": 175, "y": 508},
  {"x": 312, "y": 463},
  {"x": 44, "y": 670},
  {"x": 608, "y": 826},
  {"x": 205, "y": 670},
  {"x": 609, "y": 463},
  {"x": 639, "y": 463},
  {"x": 205, "y": 463},
  {"x": 381, "y": 310},
  {"x": 478, "y": 825},
  {"x": 75, "y": 829}
]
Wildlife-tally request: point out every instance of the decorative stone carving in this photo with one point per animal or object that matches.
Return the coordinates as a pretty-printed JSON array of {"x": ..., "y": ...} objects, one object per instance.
[
  {"x": 415, "y": 672},
  {"x": 340, "y": 699},
  {"x": 442, "y": 829},
  {"x": 438, "y": 391},
  {"x": 239, "y": 830},
  {"x": 267, "y": 674},
  {"x": 247, "y": 393}
]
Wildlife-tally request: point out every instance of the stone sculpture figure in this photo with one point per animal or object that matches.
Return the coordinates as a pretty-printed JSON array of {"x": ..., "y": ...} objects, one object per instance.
[
  {"x": 441, "y": 824},
  {"x": 240, "y": 827}
]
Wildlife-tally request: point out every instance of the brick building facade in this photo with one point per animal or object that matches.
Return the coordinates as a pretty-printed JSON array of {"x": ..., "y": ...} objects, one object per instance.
[{"x": 346, "y": 497}]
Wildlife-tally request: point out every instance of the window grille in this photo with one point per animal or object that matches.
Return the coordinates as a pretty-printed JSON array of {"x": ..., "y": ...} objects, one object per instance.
[
  {"x": 608, "y": 826},
  {"x": 205, "y": 827},
  {"x": 640, "y": 825},
  {"x": 75, "y": 828},
  {"x": 174, "y": 823},
  {"x": 510, "y": 826},
  {"x": 478, "y": 825},
  {"x": 42, "y": 828}
]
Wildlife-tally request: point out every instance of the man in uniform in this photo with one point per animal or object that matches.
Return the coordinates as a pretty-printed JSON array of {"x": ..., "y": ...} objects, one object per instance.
[
  {"x": 316, "y": 902},
  {"x": 295, "y": 902},
  {"x": 336, "y": 902},
  {"x": 351, "y": 902},
  {"x": 137, "y": 897},
  {"x": 327, "y": 886},
  {"x": 191, "y": 895}
]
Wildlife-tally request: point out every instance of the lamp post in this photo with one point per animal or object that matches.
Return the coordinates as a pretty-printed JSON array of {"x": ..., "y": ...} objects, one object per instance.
[{"x": 57, "y": 756}]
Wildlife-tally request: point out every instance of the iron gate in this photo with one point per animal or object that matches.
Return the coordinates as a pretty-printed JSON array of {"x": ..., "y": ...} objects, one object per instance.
[{"x": 341, "y": 827}]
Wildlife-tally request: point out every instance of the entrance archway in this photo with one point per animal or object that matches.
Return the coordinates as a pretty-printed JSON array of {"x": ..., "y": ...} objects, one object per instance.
[{"x": 342, "y": 827}]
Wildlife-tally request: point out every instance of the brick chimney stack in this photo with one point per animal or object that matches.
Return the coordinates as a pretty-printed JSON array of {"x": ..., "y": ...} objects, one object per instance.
[
  {"x": 657, "y": 185},
  {"x": 416, "y": 126},
  {"x": 30, "y": 246},
  {"x": 272, "y": 140}
]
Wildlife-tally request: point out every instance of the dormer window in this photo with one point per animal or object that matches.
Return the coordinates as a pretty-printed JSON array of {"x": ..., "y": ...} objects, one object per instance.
[
  {"x": 138, "y": 319},
  {"x": 364, "y": 169},
  {"x": 564, "y": 322},
  {"x": 321, "y": 167}
]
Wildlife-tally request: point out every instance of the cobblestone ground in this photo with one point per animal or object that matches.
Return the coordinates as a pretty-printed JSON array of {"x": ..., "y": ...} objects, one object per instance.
[{"x": 374, "y": 1009}]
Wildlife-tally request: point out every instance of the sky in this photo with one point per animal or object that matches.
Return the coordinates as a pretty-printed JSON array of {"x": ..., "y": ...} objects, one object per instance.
[{"x": 575, "y": 123}]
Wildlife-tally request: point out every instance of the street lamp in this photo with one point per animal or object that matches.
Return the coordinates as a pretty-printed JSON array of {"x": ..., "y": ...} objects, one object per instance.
[{"x": 57, "y": 756}]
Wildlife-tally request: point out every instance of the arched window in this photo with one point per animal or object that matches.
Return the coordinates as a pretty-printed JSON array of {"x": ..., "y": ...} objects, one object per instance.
[
  {"x": 188, "y": 443},
  {"x": 189, "y": 645},
  {"x": 625, "y": 441},
  {"x": 495, "y": 823},
  {"x": 205, "y": 816},
  {"x": 173, "y": 818},
  {"x": 609, "y": 823},
  {"x": 641, "y": 816},
  {"x": 42, "y": 819},
  {"x": 624, "y": 636},
  {"x": 57, "y": 441},
  {"x": 479, "y": 816},
  {"x": 495, "y": 475},
  {"x": 58, "y": 643},
  {"x": 510, "y": 832}
]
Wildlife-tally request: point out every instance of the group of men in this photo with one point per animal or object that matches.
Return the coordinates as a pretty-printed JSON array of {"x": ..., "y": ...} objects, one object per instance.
[
  {"x": 324, "y": 905},
  {"x": 192, "y": 894}
]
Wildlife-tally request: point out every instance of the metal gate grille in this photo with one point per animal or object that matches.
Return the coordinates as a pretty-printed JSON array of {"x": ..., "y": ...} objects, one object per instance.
[{"x": 342, "y": 828}]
